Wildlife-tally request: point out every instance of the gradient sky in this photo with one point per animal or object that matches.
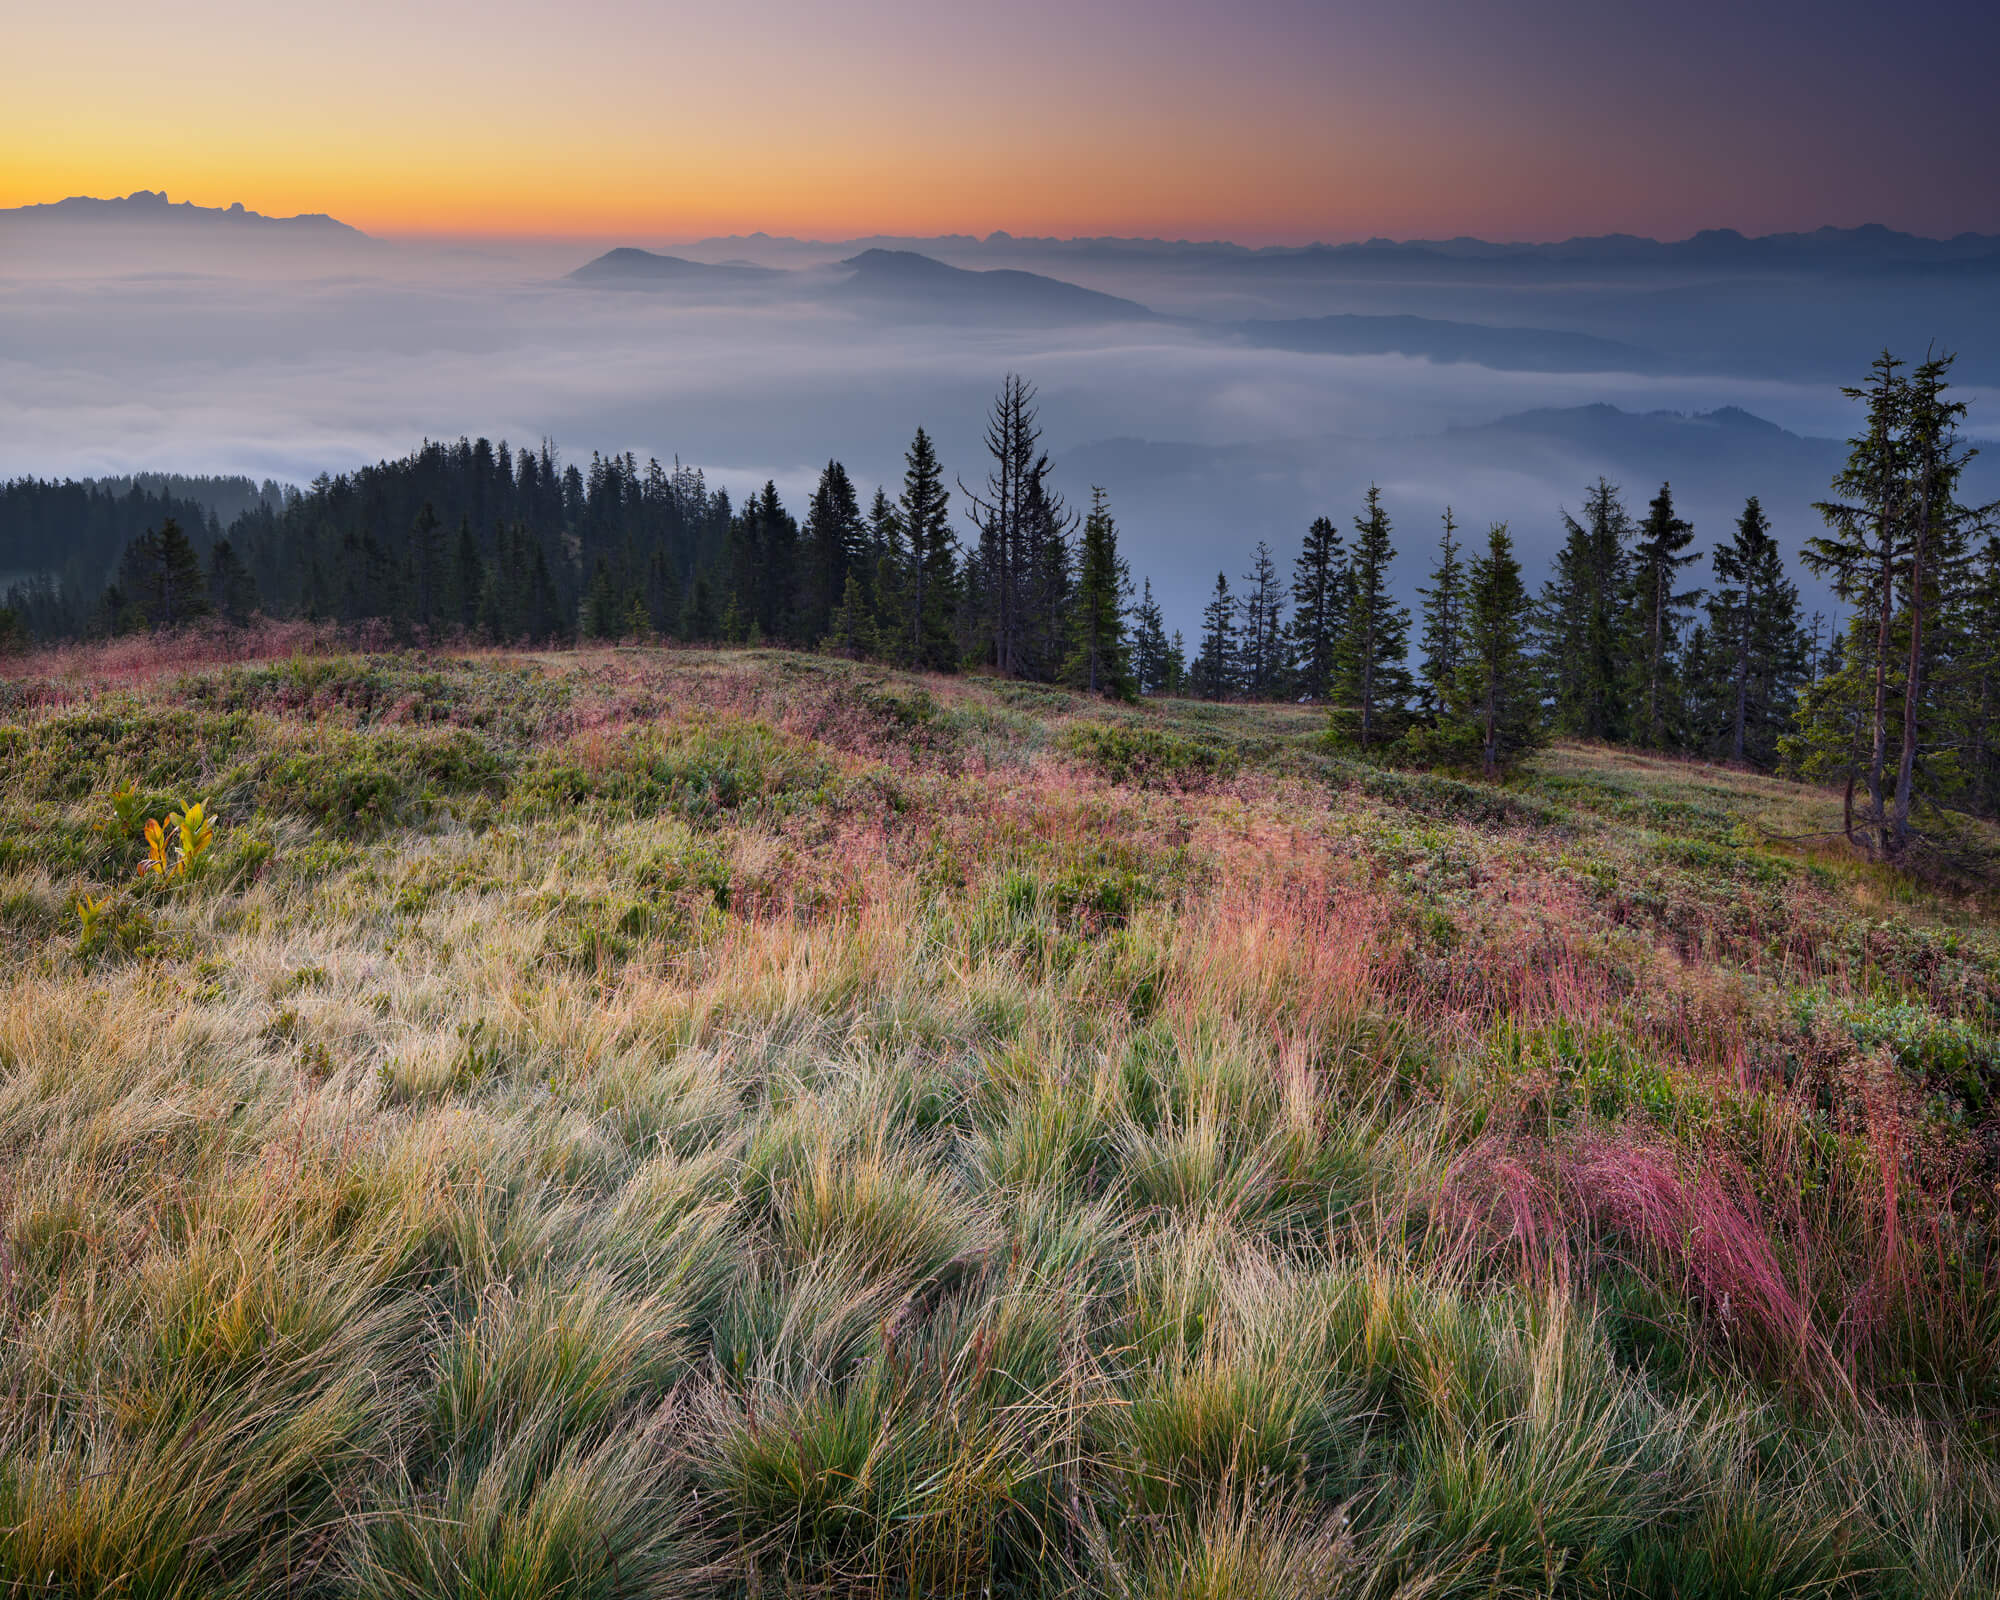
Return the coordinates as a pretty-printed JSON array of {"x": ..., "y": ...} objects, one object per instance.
[{"x": 1264, "y": 120}]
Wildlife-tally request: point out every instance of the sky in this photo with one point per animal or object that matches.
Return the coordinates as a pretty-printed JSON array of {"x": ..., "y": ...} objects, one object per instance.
[{"x": 1262, "y": 121}]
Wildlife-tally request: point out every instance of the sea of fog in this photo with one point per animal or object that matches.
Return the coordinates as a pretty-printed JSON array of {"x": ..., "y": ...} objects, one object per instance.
[{"x": 117, "y": 356}]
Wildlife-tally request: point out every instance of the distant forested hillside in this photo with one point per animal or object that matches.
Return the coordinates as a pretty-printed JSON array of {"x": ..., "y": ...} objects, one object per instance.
[{"x": 1632, "y": 638}]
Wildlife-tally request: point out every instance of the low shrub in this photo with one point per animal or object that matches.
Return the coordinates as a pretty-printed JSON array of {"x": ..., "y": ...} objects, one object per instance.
[{"x": 1150, "y": 757}]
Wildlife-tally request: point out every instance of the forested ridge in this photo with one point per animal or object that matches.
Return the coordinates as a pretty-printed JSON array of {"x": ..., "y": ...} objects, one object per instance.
[{"x": 1628, "y": 639}]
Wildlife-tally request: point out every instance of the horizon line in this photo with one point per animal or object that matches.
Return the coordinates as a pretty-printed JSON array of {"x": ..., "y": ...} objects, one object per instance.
[{"x": 1243, "y": 241}]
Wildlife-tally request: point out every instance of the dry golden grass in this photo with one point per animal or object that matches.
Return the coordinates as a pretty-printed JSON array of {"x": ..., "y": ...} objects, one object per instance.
[{"x": 661, "y": 1123}]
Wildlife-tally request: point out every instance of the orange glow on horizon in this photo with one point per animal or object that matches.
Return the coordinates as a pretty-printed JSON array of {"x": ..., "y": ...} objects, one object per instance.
[{"x": 1275, "y": 120}]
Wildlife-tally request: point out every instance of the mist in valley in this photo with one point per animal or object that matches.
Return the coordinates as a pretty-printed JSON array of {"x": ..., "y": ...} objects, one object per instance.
[{"x": 1220, "y": 396}]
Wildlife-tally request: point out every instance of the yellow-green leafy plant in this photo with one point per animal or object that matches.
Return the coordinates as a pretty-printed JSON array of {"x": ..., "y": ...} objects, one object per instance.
[
  {"x": 175, "y": 854},
  {"x": 90, "y": 911}
]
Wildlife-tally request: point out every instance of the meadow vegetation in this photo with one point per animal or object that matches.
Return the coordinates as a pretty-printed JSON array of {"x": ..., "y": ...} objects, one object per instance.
[{"x": 721, "y": 1123}]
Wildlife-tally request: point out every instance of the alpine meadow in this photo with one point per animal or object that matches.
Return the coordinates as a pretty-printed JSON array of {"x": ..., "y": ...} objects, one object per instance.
[{"x": 1106, "y": 803}]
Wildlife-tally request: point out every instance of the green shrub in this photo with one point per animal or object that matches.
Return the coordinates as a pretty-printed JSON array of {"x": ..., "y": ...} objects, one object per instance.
[
  {"x": 359, "y": 784},
  {"x": 1150, "y": 757},
  {"x": 698, "y": 772}
]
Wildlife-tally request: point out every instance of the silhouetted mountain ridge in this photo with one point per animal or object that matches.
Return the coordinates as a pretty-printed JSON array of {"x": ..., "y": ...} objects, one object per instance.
[
  {"x": 1867, "y": 244},
  {"x": 911, "y": 282},
  {"x": 153, "y": 207},
  {"x": 629, "y": 268}
]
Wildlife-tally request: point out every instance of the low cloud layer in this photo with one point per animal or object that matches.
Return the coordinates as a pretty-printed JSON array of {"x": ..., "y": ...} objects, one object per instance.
[{"x": 1207, "y": 445}]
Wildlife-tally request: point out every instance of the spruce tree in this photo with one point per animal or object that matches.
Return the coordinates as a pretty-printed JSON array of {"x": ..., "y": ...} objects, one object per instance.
[
  {"x": 1261, "y": 610},
  {"x": 1496, "y": 686},
  {"x": 773, "y": 610},
  {"x": 1444, "y": 623},
  {"x": 829, "y": 550},
  {"x": 1753, "y": 643},
  {"x": 930, "y": 557},
  {"x": 1214, "y": 669},
  {"x": 1895, "y": 547},
  {"x": 1149, "y": 644},
  {"x": 1319, "y": 609},
  {"x": 1016, "y": 518},
  {"x": 1862, "y": 553},
  {"x": 1175, "y": 682},
  {"x": 1583, "y": 638},
  {"x": 1099, "y": 660},
  {"x": 850, "y": 632},
  {"x": 1941, "y": 533},
  {"x": 1374, "y": 680},
  {"x": 1659, "y": 609},
  {"x": 161, "y": 575},
  {"x": 232, "y": 591}
]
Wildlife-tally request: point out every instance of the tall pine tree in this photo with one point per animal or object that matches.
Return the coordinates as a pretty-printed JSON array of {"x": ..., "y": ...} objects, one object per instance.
[
  {"x": 1261, "y": 611},
  {"x": 1496, "y": 687},
  {"x": 1444, "y": 623},
  {"x": 1582, "y": 620},
  {"x": 1319, "y": 607},
  {"x": 930, "y": 556},
  {"x": 1756, "y": 652},
  {"x": 1149, "y": 644},
  {"x": 1659, "y": 609},
  {"x": 1896, "y": 550},
  {"x": 1099, "y": 660},
  {"x": 1214, "y": 669},
  {"x": 1374, "y": 678}
]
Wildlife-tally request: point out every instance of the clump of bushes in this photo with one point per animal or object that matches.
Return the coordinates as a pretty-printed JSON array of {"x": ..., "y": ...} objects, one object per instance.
[
  {"x": 359, "y": 784},
  {"x": 698, "y": 771},
  {"x": 1150, "y": 757}
]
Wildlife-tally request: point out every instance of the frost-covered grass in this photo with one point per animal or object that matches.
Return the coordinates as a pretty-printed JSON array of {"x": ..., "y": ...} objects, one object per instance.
[{"x": 722, "y": 1124}]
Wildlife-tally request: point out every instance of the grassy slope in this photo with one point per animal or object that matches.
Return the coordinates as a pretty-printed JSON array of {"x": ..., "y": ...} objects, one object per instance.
[{"x": 672, "y": 1123}]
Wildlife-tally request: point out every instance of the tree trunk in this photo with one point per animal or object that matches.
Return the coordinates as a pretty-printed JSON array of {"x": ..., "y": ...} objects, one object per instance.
[
  {"x": 1907, "y": 763},
  {"x": 1492, "y": 755},
  {"x": 1982, "y": 757},
  {"x": 1653, "y": 674},
  {"x": 1742, "y": 679},
  {"x": 1367, "y": 680},
  {"x": 1878, "y": 757}
]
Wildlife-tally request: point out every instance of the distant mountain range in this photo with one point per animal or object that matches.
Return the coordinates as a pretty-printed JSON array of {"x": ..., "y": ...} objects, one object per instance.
[
  {"x": 1801, "y": 307},
  {"x": 919, "y": 288},
  {"x": 912, "y": 287},
  {"x": 1870, "y": 245},
  {"x": 1794, "y": 307},
  {"x": 153, "y": 207}
]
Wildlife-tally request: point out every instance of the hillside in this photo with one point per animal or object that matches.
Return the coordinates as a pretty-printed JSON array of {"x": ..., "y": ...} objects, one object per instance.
[
  {"x": 915, "y": 286},
  {"x": 673, "y": 1122},
  {"x": 631, "y": 268}
]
